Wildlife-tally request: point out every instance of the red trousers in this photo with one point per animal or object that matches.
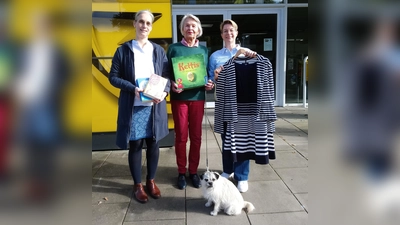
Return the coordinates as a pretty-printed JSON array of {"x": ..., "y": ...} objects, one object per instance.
[
  {"x": 5, "y": 127},
  {"x": 188, "y": 117}
]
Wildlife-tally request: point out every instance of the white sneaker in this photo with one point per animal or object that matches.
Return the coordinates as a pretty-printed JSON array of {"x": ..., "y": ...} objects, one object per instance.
[
  {"x": 226, "y": 175},
  {"x": 243, "y": 186}
]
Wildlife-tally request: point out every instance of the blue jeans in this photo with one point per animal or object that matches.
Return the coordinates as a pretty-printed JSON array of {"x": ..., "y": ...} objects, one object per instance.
[{"x": 240, "y": 169}]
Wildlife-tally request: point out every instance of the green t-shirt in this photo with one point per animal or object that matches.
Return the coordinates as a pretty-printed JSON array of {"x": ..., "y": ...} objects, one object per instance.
[{"x": 178, "y": 49}]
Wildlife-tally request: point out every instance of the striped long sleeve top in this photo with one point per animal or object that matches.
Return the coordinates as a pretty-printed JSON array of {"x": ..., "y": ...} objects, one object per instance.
[{"x": 244, "y": 110}]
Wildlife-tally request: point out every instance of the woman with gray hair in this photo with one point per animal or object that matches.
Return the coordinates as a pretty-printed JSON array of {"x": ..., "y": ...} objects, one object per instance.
[{"x": 188, "y": 105}]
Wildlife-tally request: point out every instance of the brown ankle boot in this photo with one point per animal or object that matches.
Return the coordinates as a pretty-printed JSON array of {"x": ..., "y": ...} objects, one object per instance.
[
  {"x": 153, "y": 189},
  {"x": 139, "y": 193}
]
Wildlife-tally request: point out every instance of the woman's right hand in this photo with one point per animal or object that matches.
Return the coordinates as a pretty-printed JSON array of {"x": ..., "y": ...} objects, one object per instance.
[
  {"x": 174, "y": 87},
  {"x": 137, "y": 91}
]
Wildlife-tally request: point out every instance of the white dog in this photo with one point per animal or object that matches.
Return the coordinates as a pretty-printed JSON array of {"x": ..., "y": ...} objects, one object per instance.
[{"x": 223, "y": 193}]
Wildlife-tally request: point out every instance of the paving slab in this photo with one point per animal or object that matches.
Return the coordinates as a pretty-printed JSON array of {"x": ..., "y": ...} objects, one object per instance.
[
  {"x": 303, "y": 127},
  {"x": 295, "y": 139},
  {"x": 284, "y": 146},
  {"x": 303, "y": 198},
  {"x": 98, "y": 159},
  {"x": 211, "y": 147},
  {"x": 118, "y": 154},
  {"x": 170, "y": 206},
  {"x": 193, "y": 193},
  {"x": 278, "y": 140},
  {"x": 218, "y": 139},
  {"x": 167, "y": 157},
  {"x": 209, "y": 135},
  {"x": 157, "y": 222},
  {"x": 114, "y": 167},
  {"x": 214, "y": 162},
  {"x": 109, "y": 214},
  {"x": 261, "y": 172},
  {"x": 100, "y": 155},
  {"x": 292, "y": 218},
  {"x": 116, "y": 164},
  {"x": 271, "y": 197},
  {"x": 112, "y": 189},
  {"x": 295, "y": 178},
  {"x": 164, "y": 175},
  {"x": 302, "y": 149},
  {"x": 288, "y": 159},
  {"x": 198, "y": 214}
]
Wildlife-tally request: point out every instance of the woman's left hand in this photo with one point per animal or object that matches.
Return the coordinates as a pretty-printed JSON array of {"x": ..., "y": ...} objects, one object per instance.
[
  {"x": 156, "y": 101},
  {"x": 210, "y": 85},
  {"x": 250, "y": 53}
]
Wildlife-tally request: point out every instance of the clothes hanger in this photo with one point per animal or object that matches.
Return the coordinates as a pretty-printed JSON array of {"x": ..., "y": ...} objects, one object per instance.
[{"x": 240, "y": 51}]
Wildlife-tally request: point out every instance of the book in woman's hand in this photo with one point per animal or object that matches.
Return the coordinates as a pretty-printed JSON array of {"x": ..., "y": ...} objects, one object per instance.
[
  {"x": 141, "y": 83},
  {"x": 155, "y": 88},
  {"x": 189, "y": 71}
]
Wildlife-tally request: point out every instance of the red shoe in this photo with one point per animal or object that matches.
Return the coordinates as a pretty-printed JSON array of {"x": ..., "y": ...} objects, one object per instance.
[
  {"x": 139, "y": 193},
  {"x": 153, "y": 189}
]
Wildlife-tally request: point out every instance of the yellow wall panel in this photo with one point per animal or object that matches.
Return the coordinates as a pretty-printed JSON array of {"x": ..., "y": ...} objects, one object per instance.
[
  {"x": 112, "y": 25},
  {"x": 104, "y": 109}
]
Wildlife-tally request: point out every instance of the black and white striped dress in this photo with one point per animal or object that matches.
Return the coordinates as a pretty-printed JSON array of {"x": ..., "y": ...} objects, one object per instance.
[{"x": 244, "y": 108}]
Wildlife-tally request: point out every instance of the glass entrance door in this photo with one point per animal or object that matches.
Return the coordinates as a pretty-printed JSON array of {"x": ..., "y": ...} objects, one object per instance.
[
  {"x": 296, "y": 52},
  {"x": 258, "y": 32}
]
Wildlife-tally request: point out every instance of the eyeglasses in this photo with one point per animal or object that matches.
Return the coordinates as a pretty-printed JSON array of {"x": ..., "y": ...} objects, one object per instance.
[
  {"x": 147, "y": 23},
  {"x": 229, "y": 31}
]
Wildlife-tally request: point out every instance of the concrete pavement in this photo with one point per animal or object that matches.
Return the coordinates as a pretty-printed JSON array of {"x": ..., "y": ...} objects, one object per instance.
[{"x": 278, "y": 191}]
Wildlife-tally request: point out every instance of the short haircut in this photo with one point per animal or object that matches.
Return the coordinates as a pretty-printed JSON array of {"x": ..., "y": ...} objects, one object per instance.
[
  {"x": 231, "y": 22},
  {"x": 144, "y": 11},
  {"x": 193, "y": 17}
]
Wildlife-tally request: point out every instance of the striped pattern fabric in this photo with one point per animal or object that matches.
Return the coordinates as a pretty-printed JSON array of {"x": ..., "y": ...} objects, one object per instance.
[{"x": 245, "y": 105}]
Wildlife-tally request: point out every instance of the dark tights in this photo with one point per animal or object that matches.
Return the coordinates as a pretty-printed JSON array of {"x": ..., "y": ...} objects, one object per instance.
[{"x": 135, "y": 159}]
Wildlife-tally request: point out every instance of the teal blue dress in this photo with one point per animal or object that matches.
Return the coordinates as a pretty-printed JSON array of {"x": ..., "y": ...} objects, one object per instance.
[{"x": 142, "y": 123}]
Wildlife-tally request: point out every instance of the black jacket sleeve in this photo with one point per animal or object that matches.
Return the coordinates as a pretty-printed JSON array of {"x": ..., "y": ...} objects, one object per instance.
[{"x": 117, "y": 76}]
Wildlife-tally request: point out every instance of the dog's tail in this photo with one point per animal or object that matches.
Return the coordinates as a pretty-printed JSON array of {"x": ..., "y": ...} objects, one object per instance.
[{"x": 248, "y": 207}]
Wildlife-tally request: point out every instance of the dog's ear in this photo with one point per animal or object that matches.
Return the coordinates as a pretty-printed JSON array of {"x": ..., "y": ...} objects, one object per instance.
[
  {"x": 202, "y": 176},
  {"x": 216, "y": 175}
]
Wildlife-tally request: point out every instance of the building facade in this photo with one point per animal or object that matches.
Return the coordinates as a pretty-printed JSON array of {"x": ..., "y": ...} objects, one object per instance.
[{"x": 276, "y": 29}]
